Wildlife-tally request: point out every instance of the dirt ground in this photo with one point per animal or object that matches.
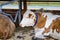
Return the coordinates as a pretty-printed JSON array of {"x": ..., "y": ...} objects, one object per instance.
[{"x": 24, "y": 34}]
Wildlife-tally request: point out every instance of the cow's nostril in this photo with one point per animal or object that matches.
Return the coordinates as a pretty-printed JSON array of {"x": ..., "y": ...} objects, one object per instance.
[{"x": 21, "y": 25}]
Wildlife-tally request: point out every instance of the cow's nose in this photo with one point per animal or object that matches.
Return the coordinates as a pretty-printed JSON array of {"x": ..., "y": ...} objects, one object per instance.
[{"x": 21, "y": 25}]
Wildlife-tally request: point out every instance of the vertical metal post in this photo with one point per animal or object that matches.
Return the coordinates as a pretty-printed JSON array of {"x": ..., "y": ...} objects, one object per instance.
[
  {"x": 20, "y": 10},
  {"x": 0, "y": 8}
]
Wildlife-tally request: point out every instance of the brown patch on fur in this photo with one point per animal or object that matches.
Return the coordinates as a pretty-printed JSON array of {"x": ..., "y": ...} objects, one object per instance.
[
  {"x": 29, "y": 15},
  {"x": 7, "y": 27},
  {"x": 55, "y": 25},
  {"x": 41, "y": 20}
]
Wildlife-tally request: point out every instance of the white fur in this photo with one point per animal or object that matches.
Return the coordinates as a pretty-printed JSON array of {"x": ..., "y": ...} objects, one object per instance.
[
  {"x": 38, "y": 32},
  {"x": 27, "y": 21}
]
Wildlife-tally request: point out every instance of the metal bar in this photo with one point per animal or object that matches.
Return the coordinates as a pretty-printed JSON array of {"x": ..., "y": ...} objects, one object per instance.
[
  {"x": 20, "y": 10},
  {"x": 34, "y": 0},
  {"x": 9, "y": 15},
  {"x": 16, "y": 17},
  {"x": 3, "y": 5},
  {"x": 5, "y": 13}
]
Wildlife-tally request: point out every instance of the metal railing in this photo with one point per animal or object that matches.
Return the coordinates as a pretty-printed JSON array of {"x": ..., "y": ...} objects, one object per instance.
[{"x": 18, "y": 13}]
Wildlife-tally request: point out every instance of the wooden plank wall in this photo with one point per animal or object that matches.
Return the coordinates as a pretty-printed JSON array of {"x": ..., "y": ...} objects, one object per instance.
[{"x": 13, "y": 11}]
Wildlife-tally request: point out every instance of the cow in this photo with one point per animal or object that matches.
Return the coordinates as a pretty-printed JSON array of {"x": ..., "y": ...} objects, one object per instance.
[
  {"x": 42, "y": 23},
  {"x": 54, "y": 28},
  {"x": 29, "y": 19},
  {"x": 7, "y": 27}
]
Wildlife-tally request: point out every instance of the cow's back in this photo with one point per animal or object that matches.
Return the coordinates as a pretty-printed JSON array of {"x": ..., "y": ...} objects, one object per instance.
[{"x": 53, "y": 22}]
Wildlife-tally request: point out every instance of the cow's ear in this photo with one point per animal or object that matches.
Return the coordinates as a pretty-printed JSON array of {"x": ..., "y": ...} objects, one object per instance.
[{"x": 39, "y": 13}]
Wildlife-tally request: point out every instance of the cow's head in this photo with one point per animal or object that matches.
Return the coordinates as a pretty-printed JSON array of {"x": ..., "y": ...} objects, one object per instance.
[{"x": 28, "y": 19}]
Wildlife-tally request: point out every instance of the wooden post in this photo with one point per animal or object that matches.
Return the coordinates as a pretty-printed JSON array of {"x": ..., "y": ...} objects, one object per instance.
[{"x": 24, "y": 5}]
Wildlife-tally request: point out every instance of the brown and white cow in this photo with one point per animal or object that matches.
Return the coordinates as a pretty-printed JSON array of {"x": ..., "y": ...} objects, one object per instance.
[
  {"x": 43, "y": 26},
  {"x": 7, "y": 27},
  {"x": 54, "y": 28}
]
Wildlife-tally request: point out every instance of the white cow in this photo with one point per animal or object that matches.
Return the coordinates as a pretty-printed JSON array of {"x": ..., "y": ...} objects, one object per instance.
[{"x": 40, "y": 23}]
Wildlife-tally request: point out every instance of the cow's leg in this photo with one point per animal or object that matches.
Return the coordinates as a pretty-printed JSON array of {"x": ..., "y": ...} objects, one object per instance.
[
  {"x": 46, "y": 30},
  {"x": 5, "y": 34},
  {"x": 53, "y": 30},
  {"x": 57, "y": 30}
]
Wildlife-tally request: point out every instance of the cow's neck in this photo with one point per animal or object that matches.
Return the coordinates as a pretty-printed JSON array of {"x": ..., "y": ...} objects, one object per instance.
[{"x": 38, "y": 24}]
